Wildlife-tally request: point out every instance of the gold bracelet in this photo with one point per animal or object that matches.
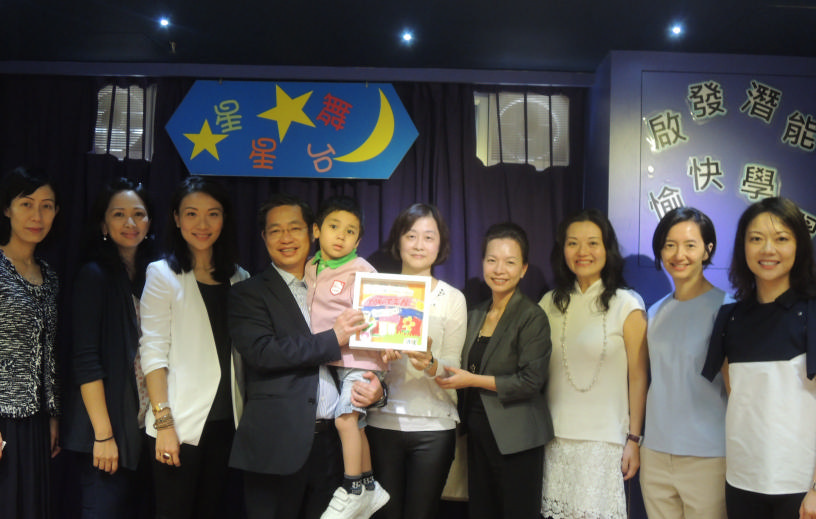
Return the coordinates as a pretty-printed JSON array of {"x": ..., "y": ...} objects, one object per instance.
[
  {"x": 163, "y": 425},
  {"x": 157, "y": 408}
]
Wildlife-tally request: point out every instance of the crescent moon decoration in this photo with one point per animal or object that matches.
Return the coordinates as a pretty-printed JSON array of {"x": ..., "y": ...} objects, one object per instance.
[{"x": 380, "y": 137}]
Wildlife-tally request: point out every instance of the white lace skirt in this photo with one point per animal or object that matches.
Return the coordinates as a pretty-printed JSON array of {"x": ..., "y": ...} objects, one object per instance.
[{"x": 583, "y": 480}]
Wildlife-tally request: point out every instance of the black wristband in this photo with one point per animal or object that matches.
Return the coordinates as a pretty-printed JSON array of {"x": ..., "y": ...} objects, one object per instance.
[{"x": 105, "y": 440}]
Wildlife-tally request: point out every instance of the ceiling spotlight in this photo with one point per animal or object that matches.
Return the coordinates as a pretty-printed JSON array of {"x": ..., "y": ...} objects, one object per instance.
[
  {"x": 407, "y": 37},
  {"x": 164, "y": 21},
  {"x": 676, "y": 30}
]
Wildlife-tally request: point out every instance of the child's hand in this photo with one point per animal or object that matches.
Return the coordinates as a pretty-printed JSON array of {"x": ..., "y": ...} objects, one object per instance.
[{"x": 349, "y": 323}]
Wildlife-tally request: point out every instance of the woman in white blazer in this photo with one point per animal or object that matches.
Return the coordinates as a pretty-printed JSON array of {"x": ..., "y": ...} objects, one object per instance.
[{"x": 186, "y": 353}]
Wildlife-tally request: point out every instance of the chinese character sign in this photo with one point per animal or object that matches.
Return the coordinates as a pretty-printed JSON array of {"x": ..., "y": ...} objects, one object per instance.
[
  {"x": 706, "y": 100},
  {"x": 759, "y": 182},
  {"x": 308, "y": 130},
  {"x": 800, "y": 131},
  {"x": 669, "y": 198},
  {"x": 667, "y": 130},
  {"x": 762, "y": 101},
  {"x": 722, "y": 142}
]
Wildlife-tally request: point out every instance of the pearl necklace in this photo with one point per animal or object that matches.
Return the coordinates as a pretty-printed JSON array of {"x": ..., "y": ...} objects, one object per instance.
[{"x": 565, "y": 362}]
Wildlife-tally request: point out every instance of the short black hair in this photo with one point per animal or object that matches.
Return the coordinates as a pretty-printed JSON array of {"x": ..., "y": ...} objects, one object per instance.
[
  {"x": 509, "y": 230},
  {"x": 402, "y": 224},
  {"x": 22, "y": 181},
  {"x": 679, "y": 215},
  {"x": 340, "y": 203},
  {"x": 282, "y": 199},
  {"x": 225, "y": 249}
]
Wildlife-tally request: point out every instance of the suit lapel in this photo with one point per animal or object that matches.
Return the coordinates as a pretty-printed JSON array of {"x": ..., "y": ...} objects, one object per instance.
[
  {"x": 501, "y": 328},
  {"x": 280, "y": 290}
]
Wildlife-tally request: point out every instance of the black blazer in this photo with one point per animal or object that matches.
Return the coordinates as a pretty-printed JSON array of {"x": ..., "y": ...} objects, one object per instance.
[
  {"x": 518, "y": 355},
  {"x": 105, "y": 342},
  {"x": 281, "y": 361}
]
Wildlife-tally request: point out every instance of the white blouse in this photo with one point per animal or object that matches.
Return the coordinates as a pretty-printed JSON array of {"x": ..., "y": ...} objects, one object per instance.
[{"x": 602, "y": 412}]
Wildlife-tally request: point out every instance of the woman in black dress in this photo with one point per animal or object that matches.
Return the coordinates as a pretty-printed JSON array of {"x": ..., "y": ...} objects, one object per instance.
[{"x": 29, "y": 400}]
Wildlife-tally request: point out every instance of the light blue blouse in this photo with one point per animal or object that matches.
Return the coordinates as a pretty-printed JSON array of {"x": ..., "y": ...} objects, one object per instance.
[{"x": 685, "y": 413}]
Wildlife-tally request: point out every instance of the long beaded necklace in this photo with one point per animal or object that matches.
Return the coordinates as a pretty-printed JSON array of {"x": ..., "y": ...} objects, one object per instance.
[{"x": 565, "y": 362}]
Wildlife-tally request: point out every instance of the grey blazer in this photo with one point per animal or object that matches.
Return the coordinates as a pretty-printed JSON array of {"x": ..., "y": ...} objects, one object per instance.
[{"x": 518, "y": 355}]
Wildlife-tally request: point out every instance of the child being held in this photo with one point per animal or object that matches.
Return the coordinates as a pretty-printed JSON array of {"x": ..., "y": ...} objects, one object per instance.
[{"x": 330, "y": 280}]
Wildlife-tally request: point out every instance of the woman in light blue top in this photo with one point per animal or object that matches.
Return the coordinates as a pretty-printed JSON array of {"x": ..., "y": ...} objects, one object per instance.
[{"x": 683, "y": 456}]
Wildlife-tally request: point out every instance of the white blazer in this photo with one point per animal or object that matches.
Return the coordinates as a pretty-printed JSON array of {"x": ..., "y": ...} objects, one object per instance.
[{"x": 176, "y": 334}]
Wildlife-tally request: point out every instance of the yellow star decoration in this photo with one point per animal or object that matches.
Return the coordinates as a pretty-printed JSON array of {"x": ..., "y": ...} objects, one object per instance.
[
  {"x": 205, "y": 140},
  {"x": 288, "y": 111}
]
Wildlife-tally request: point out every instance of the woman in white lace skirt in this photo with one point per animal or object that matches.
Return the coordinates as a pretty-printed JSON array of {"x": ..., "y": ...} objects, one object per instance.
[{"x": 598, "y": 374}]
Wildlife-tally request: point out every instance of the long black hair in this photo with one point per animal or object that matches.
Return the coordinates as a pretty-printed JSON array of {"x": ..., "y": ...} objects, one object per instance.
[
  {"x": 105, "y": 252},
  {"x": 612, "y": 272},
  {"x": 225, "y": 249}
]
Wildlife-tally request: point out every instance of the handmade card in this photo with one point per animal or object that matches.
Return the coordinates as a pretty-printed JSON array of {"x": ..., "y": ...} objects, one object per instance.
[{"x": 395, "y": 311}]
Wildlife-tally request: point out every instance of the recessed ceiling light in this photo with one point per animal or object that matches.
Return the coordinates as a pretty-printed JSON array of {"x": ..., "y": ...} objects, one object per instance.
[
  {"x": 676, "y": 30},
  {"x": 164, "y": 21},
  {"x": 407, "y": 37}
]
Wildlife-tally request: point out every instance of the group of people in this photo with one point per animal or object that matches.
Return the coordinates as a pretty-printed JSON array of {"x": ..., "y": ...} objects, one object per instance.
[{"x": 184, "y": 366}]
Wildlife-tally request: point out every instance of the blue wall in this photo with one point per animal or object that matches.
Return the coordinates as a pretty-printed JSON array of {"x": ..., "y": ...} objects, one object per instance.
[{"x": 614, "y": 159}]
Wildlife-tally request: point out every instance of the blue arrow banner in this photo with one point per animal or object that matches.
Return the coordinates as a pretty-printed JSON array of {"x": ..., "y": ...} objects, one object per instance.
[{"x": 303, "y": 130}]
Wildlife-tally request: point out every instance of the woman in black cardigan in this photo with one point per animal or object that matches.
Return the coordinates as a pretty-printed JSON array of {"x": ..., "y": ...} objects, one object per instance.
[{"x": 107, "y": 404}]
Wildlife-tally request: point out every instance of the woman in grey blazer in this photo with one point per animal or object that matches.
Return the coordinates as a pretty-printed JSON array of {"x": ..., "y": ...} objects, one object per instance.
[{"x": 503, "y": 406}]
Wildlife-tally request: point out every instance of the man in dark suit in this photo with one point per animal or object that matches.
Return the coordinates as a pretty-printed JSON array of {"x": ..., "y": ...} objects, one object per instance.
[{"x": 286, "y": 442}]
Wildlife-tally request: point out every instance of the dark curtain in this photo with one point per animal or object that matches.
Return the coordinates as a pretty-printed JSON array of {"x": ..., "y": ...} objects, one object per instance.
[{"x": 48, "y": 122}]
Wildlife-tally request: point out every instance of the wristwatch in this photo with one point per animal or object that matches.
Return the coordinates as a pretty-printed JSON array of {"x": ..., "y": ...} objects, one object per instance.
[
  {"x": 635, "y": 438},
  {"x": 430, "y": 364}
]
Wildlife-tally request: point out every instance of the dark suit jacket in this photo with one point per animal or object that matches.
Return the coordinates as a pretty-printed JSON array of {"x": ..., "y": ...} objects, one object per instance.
[
  {"x": 105, "y": 341},
  {"x": 518, "y": 355},
  {"x": 281, "y": 358}
]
